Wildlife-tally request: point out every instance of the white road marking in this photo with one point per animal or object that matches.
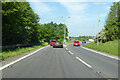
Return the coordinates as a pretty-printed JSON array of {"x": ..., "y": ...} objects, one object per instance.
[
  {"x": 84, "y": 62},
  {"x": 80, "y": 60},
  {"x": 21, "y": 58},
  {"x": 104, "y": 54},
  {"x": 66, "y": 49},
  {"x": 71, "y": 52},
  {"x": 64, "y": 45}
]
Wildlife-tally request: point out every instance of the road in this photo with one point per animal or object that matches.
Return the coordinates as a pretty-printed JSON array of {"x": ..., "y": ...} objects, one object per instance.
[{"x": 59, "y": 63}]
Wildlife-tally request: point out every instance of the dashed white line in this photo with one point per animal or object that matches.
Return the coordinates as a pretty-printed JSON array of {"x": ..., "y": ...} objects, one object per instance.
[
  {"x": 66, "y": 49},
  {"x": 64, "y": 46},
  {"x": 71, "y": 52},
  {"x": 80, "y": 60},
  {"x": 84, "y": 62},
  {"x": 21, "y": 58}
]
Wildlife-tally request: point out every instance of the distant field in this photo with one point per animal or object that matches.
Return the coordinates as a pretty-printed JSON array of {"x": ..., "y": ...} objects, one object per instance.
[
  {"x": 10, "y": 53},
  {"x": 73, "y": 41},
  {"x": 110, "y": 47}
]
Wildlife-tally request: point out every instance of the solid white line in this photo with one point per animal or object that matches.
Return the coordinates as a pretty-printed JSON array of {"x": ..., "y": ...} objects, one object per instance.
[
  {"x": 104, "y": 54},
  {"x": 84, "y": 62},
  {"x": 21, "y": 58}
]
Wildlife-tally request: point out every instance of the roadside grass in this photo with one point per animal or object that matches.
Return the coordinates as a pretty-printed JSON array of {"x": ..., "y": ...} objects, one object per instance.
[
  {"x": 110, "y": 47},
  {"x": 70, "y": 41},
  {"x": 11, "y": 53}
]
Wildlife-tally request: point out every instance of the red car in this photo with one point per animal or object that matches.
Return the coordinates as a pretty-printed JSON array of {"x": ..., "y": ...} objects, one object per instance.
[
  {"x": 76, "y": 43},
  {"x": 52, "y": 42}
]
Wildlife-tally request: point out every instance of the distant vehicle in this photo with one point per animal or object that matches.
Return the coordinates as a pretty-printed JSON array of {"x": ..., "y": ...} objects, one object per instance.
[
  {"x": 76, "y": 43},
  {"x": 52, "y": 42},
  {"x": 91, "y": 40},
  {"x": 58, "y": 44},
  {"x": 84, "y": 41}
]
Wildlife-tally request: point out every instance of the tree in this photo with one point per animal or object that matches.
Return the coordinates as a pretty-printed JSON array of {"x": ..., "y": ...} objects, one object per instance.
[
  {"x": 52, "y": 31},
  {"x": 119, "y": 17},
  {"x": 112, "y": 23},
  {"x": 19, "y": 23}
]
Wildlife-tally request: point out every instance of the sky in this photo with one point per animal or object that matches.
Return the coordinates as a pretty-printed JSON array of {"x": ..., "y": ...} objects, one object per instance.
[{"x": 81, "y": 18}]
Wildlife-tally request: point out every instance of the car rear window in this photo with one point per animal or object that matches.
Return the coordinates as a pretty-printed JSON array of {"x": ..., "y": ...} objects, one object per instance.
[
  {"x": 76, "y": 41},
  {"x": 53, "y": 41}
]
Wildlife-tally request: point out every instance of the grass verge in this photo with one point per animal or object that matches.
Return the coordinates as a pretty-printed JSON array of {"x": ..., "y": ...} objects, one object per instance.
[
  {"x": 11, "y": 53},
  {"x": 110, "y": 47}
]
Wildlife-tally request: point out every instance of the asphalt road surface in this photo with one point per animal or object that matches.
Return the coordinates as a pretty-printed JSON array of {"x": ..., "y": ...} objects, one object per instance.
[{"x": 59, "y": 63}]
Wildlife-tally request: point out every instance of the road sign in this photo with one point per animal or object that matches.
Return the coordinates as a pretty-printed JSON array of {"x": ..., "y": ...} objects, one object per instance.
[{"x": 64, "y": 40}]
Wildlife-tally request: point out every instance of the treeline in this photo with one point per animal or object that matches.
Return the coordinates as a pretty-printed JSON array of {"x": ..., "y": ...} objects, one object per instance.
[
  {"x": 112, "y": 25},
  {"x": 52, "y": 31},
  {"x": 80, "y": 38},
  {"x": 20, "y": 25}
]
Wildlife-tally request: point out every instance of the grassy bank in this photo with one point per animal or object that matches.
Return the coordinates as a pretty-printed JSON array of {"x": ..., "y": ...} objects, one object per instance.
[
  {"x": 10, "y": 53},
  {"x": 110, "y": 47},
  {"x": 70, "y": 41}
]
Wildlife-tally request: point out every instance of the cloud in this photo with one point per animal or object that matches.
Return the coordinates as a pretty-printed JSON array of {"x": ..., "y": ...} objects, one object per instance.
[
  {"x": 96, "y": 3},
  {"x": 103, "y": 15},
  {"x": 74, "y": 8},
  {"x": 77, "y": 12},
  {"x": 73, "y": 0},
  {"x": 41, "y": 7},
  {"x": 104, "y": 3},
  {"x": 108, "y": 7}
]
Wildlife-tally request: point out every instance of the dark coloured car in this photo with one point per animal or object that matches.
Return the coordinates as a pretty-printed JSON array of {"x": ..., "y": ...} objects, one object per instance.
[
  {"x": 52, "y": 42},
  {"x": 58, "y": 45},
  {"x": 76, "y": 43},
  {"x": 84, "y": 41}
]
